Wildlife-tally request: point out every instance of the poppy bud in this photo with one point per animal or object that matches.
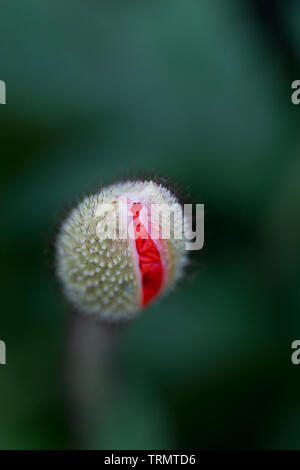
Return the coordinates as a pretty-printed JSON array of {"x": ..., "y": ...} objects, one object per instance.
[{"x": 120, "y": 249}]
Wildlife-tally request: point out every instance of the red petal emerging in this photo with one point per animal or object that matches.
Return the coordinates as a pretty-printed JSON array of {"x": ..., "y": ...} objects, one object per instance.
[{"x": 150, "y": 264}]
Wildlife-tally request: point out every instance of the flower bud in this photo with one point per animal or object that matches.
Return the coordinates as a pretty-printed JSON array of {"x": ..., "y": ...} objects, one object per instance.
[{"x": 120, "y": 249}]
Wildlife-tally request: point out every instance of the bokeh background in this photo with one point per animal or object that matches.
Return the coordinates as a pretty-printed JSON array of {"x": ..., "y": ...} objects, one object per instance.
[{"x": 199, "y": 91}]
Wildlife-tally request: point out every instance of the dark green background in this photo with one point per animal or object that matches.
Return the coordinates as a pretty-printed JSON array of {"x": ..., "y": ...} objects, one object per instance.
[{"x": 199, "y": 91}]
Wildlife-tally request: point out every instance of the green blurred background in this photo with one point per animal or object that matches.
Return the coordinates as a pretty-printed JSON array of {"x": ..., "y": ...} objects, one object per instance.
[{"x": 199, "y": 91}]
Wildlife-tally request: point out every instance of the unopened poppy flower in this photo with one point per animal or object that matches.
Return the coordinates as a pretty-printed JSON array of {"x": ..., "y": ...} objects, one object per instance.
[{"x": 114, "y": 275}]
